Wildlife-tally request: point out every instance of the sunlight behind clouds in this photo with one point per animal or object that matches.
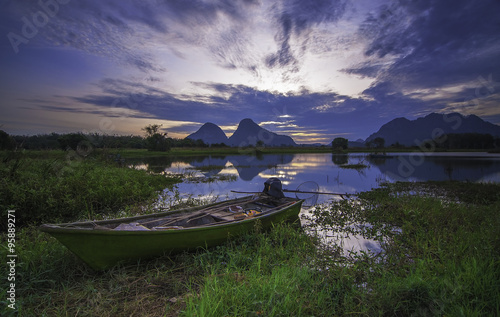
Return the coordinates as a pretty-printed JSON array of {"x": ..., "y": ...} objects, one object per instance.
[{"x": 321, "y": 68}]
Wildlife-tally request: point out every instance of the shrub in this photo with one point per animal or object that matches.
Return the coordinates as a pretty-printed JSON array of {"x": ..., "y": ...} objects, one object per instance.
[{"x": 49, "y": 190}]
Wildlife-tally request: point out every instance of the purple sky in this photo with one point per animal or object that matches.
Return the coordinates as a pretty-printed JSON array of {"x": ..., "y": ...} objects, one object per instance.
[{"x": 313, "y": 70}]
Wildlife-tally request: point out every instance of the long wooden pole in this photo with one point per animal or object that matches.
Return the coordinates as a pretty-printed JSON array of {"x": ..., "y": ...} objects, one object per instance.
[
  {"x": 296, "y": 191},
  {"x": 308, "y": 192}
]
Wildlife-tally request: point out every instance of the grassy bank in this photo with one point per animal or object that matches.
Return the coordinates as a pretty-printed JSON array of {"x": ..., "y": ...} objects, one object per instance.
[
  {"x": 59, "y": 186},
  {"x": 441, "y": 257},
  {"x": 441, "y": 248}
]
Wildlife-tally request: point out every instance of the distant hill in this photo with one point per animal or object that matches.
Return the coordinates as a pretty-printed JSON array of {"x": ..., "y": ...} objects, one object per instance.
[
  {"x": 210, "y": 134},
  {"x": 413, "y": 132},
  {"x": 358, "y": 143},
  {"x": 249, "y": 133}
]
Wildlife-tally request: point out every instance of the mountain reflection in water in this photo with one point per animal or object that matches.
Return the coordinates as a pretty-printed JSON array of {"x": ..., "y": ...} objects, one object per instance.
[
  {"x": 329, "y": 171},
  {"x": 341, "y": 173}
]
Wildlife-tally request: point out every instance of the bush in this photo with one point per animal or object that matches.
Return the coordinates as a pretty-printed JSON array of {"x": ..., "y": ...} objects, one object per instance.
[
  {"x": 55, "y": 189},
  {"x": 6, "y": 141}
]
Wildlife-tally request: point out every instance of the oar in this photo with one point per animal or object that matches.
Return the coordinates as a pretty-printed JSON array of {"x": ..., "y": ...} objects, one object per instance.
[
  {"x": 297, "y": 191},
  {"x": 241, "y": 192},
  {"x": 309, "y": 192}
]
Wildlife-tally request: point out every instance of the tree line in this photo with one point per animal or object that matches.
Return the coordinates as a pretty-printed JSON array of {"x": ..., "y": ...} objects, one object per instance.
[
  {"x": 477, "y": 141},
  {"x": 153, "y": 140},
  {"x": 466, "y": 141}
]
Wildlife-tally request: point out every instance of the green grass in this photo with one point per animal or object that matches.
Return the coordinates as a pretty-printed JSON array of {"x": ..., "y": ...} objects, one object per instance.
[
  {"x": 55, "y": 187},
  {"x": 50, "y": 281},
  {"x": 440, "y": 240},
  {"x": 267, "y": 273},
  {"x": 263, "y": 274},
  {"x": 444, "y": 261}
]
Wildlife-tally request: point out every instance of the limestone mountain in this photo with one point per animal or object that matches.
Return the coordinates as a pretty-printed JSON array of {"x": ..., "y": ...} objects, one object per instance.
[
  {"x": 250, "y": 133},
  {"x": 210, "y": 134},
  {"x": 247, "y": 133},
  {"x": 413, "y": 132}
]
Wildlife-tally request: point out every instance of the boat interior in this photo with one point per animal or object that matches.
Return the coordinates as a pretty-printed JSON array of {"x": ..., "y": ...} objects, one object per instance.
[
  {"x": 222, "y": 213},
  {"x": 225, "y": 212}
]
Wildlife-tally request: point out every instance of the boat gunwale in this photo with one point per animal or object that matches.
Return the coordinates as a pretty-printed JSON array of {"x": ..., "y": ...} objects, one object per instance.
[{"x": 76, "y": 227}]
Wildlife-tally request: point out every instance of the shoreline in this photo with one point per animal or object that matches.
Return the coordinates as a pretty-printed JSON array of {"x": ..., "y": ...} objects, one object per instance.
[
  {"x": 442, "y": 260},
  {"x": 262, "y": 151}
]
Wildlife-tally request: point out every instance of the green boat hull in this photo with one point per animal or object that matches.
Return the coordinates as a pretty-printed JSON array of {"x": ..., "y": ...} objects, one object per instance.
[{"x": 102, "y": 249}]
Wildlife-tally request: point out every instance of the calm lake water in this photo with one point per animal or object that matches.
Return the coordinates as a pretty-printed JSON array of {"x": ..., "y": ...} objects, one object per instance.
[
  {"x": 325, "y": 172},
  {"x": 329, "y": 171}
]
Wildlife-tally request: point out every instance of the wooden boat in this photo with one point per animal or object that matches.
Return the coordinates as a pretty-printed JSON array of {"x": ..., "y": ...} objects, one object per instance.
[{"x": 102, "y": 244}]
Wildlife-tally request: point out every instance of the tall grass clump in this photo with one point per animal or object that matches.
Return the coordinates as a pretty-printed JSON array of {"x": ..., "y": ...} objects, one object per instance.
[
  {"x": 441, "y": 248},
  {"x": 268, "y": 274},
  {"x": 52, "y": 187}
]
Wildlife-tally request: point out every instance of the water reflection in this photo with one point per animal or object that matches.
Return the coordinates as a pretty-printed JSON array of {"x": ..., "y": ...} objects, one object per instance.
[
  {"x": 340, "y": 159},
  {"x": 479, "y": 167},
  {"x": 327, "y": 170},
  {"x": 249, "y": 167}
]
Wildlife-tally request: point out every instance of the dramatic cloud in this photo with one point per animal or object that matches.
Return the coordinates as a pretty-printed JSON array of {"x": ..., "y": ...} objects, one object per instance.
[
  {"x": 433, "y": 44},
  {"x": 294, "y": 20},
  {"x": 311, "y": 69}
]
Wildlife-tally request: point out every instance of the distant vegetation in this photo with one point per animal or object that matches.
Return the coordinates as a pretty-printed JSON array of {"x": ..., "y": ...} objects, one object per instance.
[
  {"x": 156, "y": 141},
  {"x": 340, "y": 144},
  {"x": 378, "y": 143},
  {"x": 452, "y": 141},
  {"x": 475, "y": 141},
  {"x": 6, "y": 141},
  {"x": 55, "y": 141},
  {"x": 153, "y": 140}
]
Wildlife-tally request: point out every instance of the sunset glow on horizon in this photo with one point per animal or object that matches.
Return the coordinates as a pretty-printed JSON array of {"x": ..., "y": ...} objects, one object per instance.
[{"x": 313, "y": 70}]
